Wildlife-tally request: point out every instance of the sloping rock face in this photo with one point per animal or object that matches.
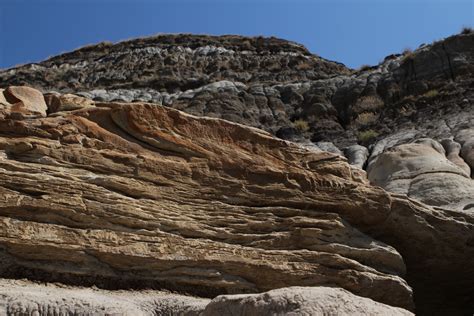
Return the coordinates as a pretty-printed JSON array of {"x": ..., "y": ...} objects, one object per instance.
[
  {"x": 100, "y": 184},
  {"x": 280, "y": 87},
  {"x": 140, "y": 194},
  {"x": 144, "y": 196}
]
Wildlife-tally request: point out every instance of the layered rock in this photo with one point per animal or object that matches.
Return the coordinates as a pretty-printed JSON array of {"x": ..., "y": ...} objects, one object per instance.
[
  {"x": 271, "y": 84},
  {"x": 198, "y": 205},
  {"x": 140, "y": 195},
  {"x": 95, "y": 189}
]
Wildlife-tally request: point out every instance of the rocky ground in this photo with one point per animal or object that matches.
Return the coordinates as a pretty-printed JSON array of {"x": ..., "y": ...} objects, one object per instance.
[{"x": 290, "y": 170}]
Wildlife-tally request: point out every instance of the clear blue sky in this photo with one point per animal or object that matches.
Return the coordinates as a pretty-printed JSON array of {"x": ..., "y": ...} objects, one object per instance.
[{"x": 353, "y": 32}]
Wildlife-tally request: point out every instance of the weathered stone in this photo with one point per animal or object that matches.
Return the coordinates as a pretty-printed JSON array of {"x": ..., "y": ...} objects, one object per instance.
[
  {"x": 140, "y": 195},
  {"x": 26, "y": 98},
  {"x": 66, "y": 102},
  {"x": 135, "y": 158},
  {"x": 140, "y": 163},
  {"x": 3, "y": 101},
  {"x": 453, "y": 150},
  {"x": 27, "y": 298},
  {"x": 299, "y": 301},
  {"x": 466, "y": 138},
  {"x": 422, "y": 172},
  {"x": 357, "y": 155}
]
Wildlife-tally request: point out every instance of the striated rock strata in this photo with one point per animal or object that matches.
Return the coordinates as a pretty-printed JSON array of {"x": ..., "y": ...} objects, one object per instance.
[
  {"x": 280, "y": 87},
  {"x": 144, "y": 196}
]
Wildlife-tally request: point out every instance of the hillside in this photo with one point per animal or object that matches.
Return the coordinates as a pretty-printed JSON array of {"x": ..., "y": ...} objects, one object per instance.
[{"x": 184, "y": 166}]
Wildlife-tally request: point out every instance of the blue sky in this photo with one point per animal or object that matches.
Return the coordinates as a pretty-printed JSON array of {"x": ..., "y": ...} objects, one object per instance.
[{"x": 353, "y": 32}]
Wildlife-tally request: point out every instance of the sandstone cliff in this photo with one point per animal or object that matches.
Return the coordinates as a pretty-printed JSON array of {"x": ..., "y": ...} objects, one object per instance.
[{"x": 137, "y": 195}]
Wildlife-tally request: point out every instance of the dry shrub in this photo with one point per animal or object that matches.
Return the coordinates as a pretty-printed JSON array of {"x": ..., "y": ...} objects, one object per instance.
[
  {"x": 366, "y": 118},
  {"x": 369, "y": 103},
  {"x": 408, "y": 55},
  {"x": 301, "y": 125},
  {"x": 467, "y": 30},
  {"x": 367, "y": 136},
  {"x": 364, "y": 67},
  {"x": 431, "y": 94}
]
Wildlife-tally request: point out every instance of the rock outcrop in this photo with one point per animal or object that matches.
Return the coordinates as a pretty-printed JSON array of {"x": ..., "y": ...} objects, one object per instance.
[
  {"x": 20, "y": 297},
  {"x": 26, "y": 298},
  {"x": 298, "y": 301},
  {"x": 140, "y": 195},
  {"x": 105, "y": 181},
  {"x": 21, "y": 100},
  {"x": 423, "y": 172},
  {"x": 280, "y": 87}
]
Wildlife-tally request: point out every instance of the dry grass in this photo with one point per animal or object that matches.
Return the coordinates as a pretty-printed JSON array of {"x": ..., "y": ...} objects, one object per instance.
[
  {"x": 467, "y": 30},
  {"x": 369, "y": 103},
  {"x": 408, "y": 55},
  {"x": 431, "y": 94},
  {"x": 367, "y": 136},
  {"x": 366, "y": 118},
  {"x": 364, "y": 68},
  {"x": 301, "y": 125}
]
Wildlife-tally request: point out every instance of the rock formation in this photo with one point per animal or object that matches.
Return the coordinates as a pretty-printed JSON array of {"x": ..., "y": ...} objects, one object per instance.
[{"x": 98, "y": 190}]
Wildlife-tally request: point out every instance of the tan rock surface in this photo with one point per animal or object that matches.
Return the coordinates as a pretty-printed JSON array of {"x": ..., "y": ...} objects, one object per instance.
[
  {"x": 26, "y": 98},
  {"x": 139, "y": 195},
  {"x": 453, "y": 150},
  {"x": 20, "y": 297},
  {"x": 28, "y": 298},
  {"x": 66, "y": 102},
  {"x": 3, "y": 102},
  {"x": 295, "y": 301},
  {"x": 423, "y": 172}
]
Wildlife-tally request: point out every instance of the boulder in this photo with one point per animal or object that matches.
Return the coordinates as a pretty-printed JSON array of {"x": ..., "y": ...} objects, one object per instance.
[
  {"x": 422, "y": 172},
  {"x": 299, "y": 301},
  {"x": 66, "y": 102},
  {"x": 26, "y": 99},
  {"x": 453, "y": 150},
  {"x": 466, "y": 138}
]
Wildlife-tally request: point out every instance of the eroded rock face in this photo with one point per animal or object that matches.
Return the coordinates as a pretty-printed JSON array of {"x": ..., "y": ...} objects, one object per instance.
[
  {"x": 22, "y": 297},
  {"x": 422, "y": 171},
  {"x": 93, "y": 191},
  {"x": 270, "y": 84},
  {"x": 19, "y": 297},
  {"x": 245, "y": 218},
  {"x": 67, "y": 102},
  {"x": 140, "y": 195},
  {"x": 299, "y": 301},
  {"x": 23, "y": 101}
]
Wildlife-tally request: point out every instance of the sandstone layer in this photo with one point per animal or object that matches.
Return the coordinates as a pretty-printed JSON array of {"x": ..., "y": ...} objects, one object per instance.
[
  {"x": 144, "y": 196},
  {"x": 277, "y": 177},
  {"x": 280, "y": 87}
]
